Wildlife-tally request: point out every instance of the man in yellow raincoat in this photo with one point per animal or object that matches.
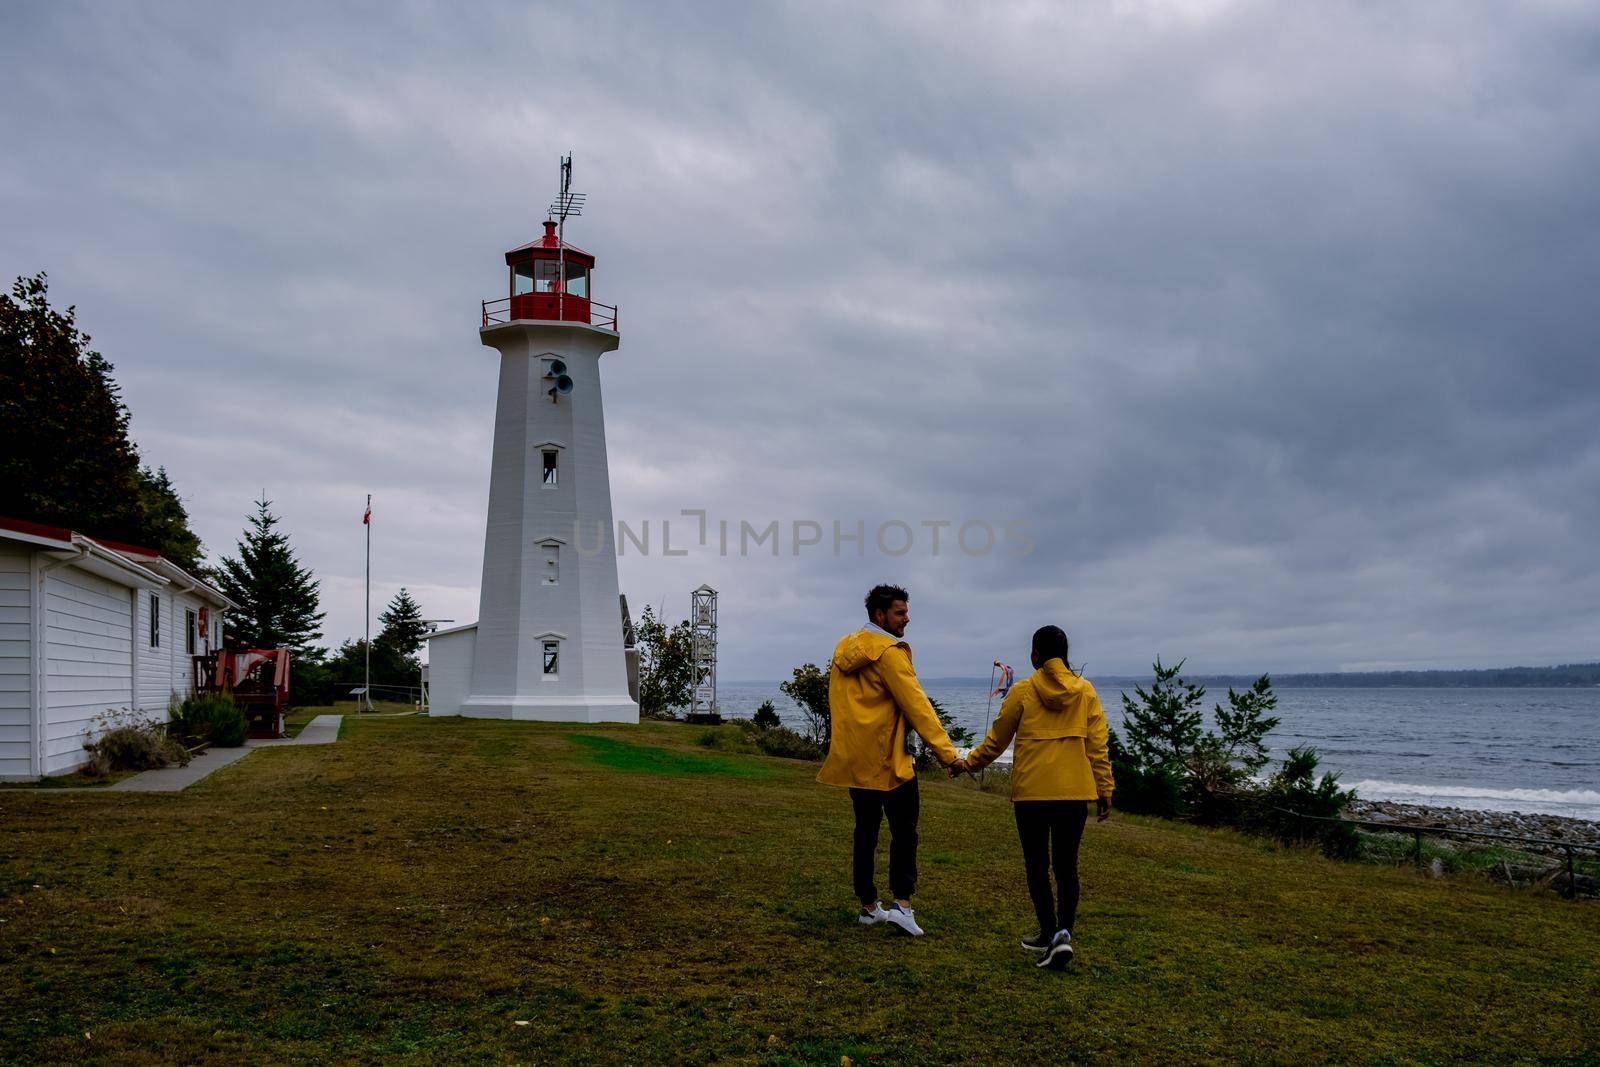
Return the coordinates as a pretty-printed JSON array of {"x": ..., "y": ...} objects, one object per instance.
[{"x": 873, "y": 694}]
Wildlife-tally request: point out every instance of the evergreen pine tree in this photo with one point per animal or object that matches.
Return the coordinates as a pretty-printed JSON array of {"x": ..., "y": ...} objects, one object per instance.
[
  {"x": 65, "y": 456},
  {"x": 166, "y": 520},
  {"x": 1163, "y": 725},
  {"x": 277, "y": 598},
  {"x": 403, "y": 628}
]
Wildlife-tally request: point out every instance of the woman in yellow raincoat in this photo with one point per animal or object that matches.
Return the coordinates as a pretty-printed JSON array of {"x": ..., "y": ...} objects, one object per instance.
[{"x": 1059, "y": 764}]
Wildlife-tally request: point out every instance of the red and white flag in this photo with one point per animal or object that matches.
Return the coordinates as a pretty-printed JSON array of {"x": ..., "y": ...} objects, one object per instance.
[{"x": 366, "y": 516}]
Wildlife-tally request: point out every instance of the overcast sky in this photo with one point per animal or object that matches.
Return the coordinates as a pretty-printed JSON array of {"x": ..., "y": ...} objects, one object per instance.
[{"x": 1274, "y": 324}]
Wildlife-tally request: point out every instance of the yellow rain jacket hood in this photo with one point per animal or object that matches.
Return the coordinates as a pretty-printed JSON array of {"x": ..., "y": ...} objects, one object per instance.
[
  {"x": 872, "y": 695},
  {"x": 1060, "y": 730}
]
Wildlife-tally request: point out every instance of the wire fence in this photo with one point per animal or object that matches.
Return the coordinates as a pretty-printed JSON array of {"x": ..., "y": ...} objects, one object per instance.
[
  {"x": 1563, "y": 874},
  {"x": 408, "y": 694}
]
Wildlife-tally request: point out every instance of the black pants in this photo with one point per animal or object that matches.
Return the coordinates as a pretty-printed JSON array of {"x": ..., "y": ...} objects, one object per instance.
[
  {"x": 871, "y": 805},
  {"x": 1046, "y": 826}
]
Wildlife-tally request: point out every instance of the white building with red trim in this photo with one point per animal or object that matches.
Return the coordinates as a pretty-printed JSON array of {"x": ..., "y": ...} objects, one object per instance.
[{"x": 89, "y": 626}]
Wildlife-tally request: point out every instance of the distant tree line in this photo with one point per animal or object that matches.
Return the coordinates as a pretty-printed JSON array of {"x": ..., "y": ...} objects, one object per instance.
[{"x": 1570, "y": 674}]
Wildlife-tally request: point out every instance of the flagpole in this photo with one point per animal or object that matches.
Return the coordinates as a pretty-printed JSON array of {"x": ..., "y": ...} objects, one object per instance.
[
  {"x": 366, "y": 695},
  {"x": 988, "y": 714}
]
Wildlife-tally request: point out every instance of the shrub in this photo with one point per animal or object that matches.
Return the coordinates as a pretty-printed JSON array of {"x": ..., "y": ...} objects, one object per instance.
[
  {"x": 726, "y": 739},
  {"x": 1296, "y": 807},
  {"x": 766, "y": 715},
  {"x": 129, "y": 742},
  {"x": 784, "y": 742},
  {"x": 206, "y": 717},
  {"x": 225, "y": 723},
  {"x": 186, "y": 721},
  {"x": 1157, "y": 791}
]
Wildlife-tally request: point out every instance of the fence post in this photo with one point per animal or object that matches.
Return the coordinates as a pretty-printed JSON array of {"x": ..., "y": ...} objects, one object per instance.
[
  {"x": 1572, "y": 876},
  {"x": 1416, "y": 853}
]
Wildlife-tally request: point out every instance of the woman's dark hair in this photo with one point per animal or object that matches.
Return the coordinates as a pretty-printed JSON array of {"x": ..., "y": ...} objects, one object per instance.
[
  {"x": 882, "y": 596},
  {"x": 1050, "y": 642}
]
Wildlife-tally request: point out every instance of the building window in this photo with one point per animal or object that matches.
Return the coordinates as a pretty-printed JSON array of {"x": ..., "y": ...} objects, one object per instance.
[
  {"x": 155, "y": 620},
  {"x": 552, "y": 564},
  {"x": 189, "y": 631},
  {"x": 552, "y": 657},
  {"x": 577, "y": 280},
  {"x": 522, "y": 279},
  {"x": 551, "y": 476},
  {"x": 546, "y": 275}
]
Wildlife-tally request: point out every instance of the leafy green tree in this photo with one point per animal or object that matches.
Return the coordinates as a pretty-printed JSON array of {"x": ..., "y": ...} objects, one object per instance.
[
  {"x": 809, "y": 690},
  {"x": 666, "y": 665},
  {"x": 766, "y": 716},
  {"x": 65, "y": 456},
  {"x": 394, "y": 676},
  {"x": 1163, "y": 725},
  {"x": 402, "y": 624},
  {"x": 311, "y": 684},
  {"x": 278, "y": 599}
]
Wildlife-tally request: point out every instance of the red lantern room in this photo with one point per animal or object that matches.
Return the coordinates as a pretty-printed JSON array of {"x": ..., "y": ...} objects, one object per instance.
[{"x": 549, "y": 281}]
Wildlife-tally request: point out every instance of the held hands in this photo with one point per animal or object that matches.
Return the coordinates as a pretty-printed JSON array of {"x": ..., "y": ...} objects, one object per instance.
[
  {"x": 956, "y": 768},
  {"x": 1102, "y": 809}
]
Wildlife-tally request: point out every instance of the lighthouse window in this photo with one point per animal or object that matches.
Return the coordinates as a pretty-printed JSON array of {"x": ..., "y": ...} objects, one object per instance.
[
  {"x": 551, "y": 476},
  {"x": 577, "y": 279},
  {"x": 546, "y": 272},
  {"x": 522, "y": 279},
  {"x": 552, "y": 656},
  {"x": 552, "y": 564}
]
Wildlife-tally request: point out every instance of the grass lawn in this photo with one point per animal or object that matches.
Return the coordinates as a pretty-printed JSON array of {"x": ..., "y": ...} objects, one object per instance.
[{"x": 471, "y": 891}]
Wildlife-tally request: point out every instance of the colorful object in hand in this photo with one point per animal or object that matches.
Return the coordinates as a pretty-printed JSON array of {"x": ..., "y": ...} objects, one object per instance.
[{"x": 1007, "y": 678}]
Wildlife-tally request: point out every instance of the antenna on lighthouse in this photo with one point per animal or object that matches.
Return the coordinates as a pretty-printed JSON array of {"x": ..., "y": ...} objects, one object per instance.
[{"x": 567, "y": 203}]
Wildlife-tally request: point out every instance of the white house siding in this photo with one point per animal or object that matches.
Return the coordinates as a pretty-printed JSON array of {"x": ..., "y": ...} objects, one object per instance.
[
  {"x": 152, "y": 665},
  {"x": 16, "y": 664},
  {"x": 180, "y": 676},
  {"x": 450, "y": 669},
  {"x": 88, "y": 646}
]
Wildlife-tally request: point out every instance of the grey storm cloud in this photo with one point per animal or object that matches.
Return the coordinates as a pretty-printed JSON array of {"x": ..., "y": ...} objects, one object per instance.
[{"x": 1272, "y": 322}]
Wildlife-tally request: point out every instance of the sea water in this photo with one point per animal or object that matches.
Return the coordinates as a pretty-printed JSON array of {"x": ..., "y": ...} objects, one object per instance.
[{"x": 1528, "y": 750}]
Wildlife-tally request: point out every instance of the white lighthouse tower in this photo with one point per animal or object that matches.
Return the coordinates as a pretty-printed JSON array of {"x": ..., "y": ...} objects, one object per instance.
[{"x": 548, "y": 642}]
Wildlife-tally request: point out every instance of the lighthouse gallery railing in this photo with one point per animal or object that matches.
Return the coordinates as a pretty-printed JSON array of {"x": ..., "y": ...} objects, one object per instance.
[{"x": 498, "y": 312}]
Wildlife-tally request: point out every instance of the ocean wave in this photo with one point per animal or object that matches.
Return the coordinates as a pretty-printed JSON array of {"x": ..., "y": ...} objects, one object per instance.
[{"x": 1579, "y": 803}]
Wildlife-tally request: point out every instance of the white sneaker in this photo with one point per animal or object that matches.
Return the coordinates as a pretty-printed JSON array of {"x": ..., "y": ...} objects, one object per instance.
[
  {"x": 876, "y": 915},
  {"x": 904, "y": 918},
  {"x": 1060, "y": 952}
]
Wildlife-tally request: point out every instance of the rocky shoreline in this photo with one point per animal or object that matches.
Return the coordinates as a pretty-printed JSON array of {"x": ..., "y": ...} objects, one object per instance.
[{"x": 1513, "y": 823}]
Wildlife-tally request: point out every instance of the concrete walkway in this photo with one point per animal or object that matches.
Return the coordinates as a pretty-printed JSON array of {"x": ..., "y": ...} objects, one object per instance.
[{"x": 323, "y": 730}]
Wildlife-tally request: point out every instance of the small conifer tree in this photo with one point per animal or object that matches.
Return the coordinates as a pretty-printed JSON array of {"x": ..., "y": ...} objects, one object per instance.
[{"x": 278, "y": 599}]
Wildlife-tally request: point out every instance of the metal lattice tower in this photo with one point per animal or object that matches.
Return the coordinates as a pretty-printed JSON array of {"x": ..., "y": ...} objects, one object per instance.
[{"x": 703, "y": 627}]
